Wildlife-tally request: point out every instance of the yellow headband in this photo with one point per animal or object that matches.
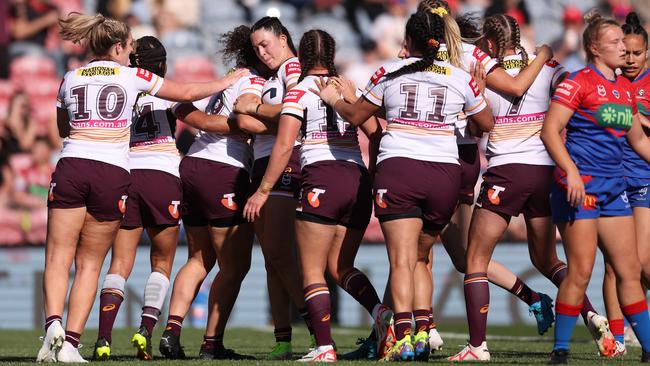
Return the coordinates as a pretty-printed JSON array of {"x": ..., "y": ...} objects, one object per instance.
[{"x": 440, "y": 11}]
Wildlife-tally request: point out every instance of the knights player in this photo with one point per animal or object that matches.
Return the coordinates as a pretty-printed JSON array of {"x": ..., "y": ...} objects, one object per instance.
[
  {"x": 637, "y": 174},
  {"x": 588, "y": 199}
]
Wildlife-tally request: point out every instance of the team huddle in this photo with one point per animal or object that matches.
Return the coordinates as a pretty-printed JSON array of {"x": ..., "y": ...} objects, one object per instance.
[{"x": 277, "y": 156}]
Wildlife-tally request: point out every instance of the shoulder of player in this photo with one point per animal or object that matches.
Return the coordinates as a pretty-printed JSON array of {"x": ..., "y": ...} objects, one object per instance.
[
  {"x": 290, "y": 66},
  {"x": 300, "y": 92}
]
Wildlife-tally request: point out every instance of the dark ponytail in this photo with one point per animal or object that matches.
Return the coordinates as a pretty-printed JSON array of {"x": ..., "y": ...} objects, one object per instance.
[
  {"x": 273, "y": 25},
  {"x": 149, "y": 54},
  {"x": 633, "y": 26},
  {"x": 426, "y": 30},
  {"x": 317, "y": 47}
]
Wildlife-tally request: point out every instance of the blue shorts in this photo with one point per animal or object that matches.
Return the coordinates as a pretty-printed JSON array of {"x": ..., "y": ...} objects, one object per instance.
[
  {"x": 637, "y": 191},
  {"x": 604, "y": 196}
]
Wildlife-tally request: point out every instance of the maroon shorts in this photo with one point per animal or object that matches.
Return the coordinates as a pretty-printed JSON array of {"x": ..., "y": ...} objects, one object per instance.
[
  {"x": 470, "y": 163},
  {"x": 100, "y": 187},
  {"x": 213, "y": 193},
  {"x": 407, "y": 188},
  {"x": 336, "y": 193},
  {"x": 154, "y": 199},
  {"x": 289, "y": 182},
  {"x": 512, "y": 189}
]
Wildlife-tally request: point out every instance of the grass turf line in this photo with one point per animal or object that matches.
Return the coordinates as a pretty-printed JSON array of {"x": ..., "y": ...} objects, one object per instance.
[{"x": 20, "y": 347}]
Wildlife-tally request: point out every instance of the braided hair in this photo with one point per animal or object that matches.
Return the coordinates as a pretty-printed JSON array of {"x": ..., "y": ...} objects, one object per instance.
[
  {"x": 317, "y": 48},
  {"x": 237, "y": 47},
  {"x": 425, "y": 30},
  {"x": 150, "y": 54},
  {"x": 273, "y": 25},
  {"x": 633, "y": 25},
  {"x": 504, "y": 31},
  {"x": 452, "y": 39}
]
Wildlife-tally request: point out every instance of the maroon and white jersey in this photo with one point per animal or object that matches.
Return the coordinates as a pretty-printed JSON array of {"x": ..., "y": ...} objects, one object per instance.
[
  {"x": 153, "y": 145},
  {"x": 99, "y": 98},
  {"x": 228, "y": 149},
  {"x": 470, "y": 56},
  {"x": 326, "y": 136},
  {"x": 274, "y": 91},
  {"x": 518, "y": 121},
  {"x": 422, "y": 110}
]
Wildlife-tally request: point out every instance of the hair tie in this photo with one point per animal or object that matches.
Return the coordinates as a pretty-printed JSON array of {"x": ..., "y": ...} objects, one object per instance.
[
  {"x": 433, "y": 43},
  {"x": 439, "y": 11}
]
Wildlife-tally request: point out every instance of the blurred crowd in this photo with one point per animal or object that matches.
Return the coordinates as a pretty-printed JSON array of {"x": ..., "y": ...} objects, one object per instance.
[{"x": 33, "y": 60}]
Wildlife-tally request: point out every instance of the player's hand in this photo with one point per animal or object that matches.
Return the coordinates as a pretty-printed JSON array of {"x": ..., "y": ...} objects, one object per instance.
[
  {"x": 346, "y": 87},
  {"x": 545, "y": 51},
  {"x": 233, "y": 76},
  {"x": 575, "y": 188},
  {"x": 478, "y": 73},
  {"x": 246, "y": 104},
  {"x": 254, "y": 205},
  {"x": 327, "y": 92}
]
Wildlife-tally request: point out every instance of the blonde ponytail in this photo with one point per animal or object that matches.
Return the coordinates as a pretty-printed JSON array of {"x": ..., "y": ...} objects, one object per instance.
[
  {"x": 453, "y": 41},
  {"x": 95, "y": 31}
]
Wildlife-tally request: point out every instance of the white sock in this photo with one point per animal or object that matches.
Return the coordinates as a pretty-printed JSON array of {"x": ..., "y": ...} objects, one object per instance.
[
  {"x": 114, "y": 282},
  {"x": 155, "y": 290}
]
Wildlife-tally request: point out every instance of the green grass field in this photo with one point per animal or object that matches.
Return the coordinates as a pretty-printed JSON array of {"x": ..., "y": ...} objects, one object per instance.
[{"x": 509, "y": 345}]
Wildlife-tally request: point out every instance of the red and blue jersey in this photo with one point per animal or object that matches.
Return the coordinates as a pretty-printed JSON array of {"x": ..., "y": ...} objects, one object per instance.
[
  {"x": 602, "y": 116},
  {"x": 634, "y": 165}
]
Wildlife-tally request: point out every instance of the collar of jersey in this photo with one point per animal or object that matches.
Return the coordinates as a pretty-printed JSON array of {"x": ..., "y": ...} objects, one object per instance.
[
  {"x": 593, "y": 67},
  {"x": 94, "y": 61},
  {"x": 642, "y": 75}
]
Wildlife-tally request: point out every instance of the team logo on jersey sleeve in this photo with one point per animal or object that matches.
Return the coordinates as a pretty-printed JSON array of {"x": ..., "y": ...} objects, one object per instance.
[
  {"x": 121, "y": 204},
  {"x": 292, "y": 67},
  {"x": 377, "y": 76},
  {"x": 173, "y": 209},
  {"x": 144, "y": 74},
  {"x": 293, "y": 96},
  {"x": 313, "y": 197},
  {"x": 379, "y": 198},
  {"x": 567, "y": 90},
  {"x": 228, "y": 202}
]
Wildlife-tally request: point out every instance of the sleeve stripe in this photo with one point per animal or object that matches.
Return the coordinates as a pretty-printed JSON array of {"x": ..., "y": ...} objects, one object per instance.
[
  {"x": 300, "y": 118},
  {"x": 154, "y": 85},
  {"x": 483, "y": 102},
  {"x": 292, "y": 107}
]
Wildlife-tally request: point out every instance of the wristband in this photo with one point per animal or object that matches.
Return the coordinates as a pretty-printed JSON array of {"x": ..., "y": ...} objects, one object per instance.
[{"x": 265, "y": 187}]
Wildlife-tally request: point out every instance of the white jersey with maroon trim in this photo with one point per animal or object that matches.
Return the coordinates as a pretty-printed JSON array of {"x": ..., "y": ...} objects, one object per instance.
[
  {"x": 470, "y": 56},
  {"x": 422, "y": 110},
  {"x": 99, "y": 98},
  {"x": 326, "y": 136},
  {"x": 228, "y": 149},
  {"x": 274, "y": 91},
  {"x": 518, "y": 121},
  {"x": 153, "y": 145}
]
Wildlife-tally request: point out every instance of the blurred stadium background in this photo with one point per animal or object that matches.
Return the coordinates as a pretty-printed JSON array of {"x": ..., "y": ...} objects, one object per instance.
[{"x": 33, "y": 60}]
